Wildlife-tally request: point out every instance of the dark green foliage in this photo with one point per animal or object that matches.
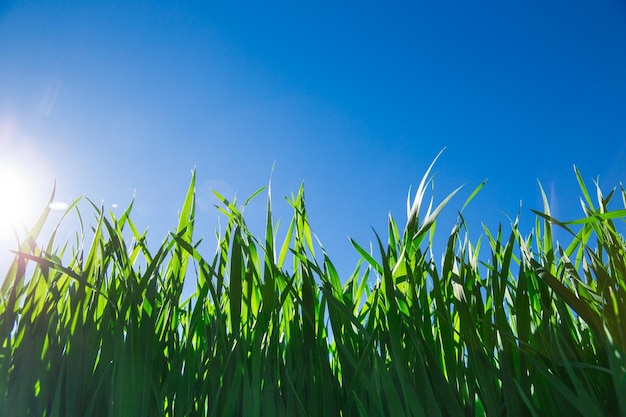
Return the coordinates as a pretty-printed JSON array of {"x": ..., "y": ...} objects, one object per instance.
[{"x": 536, "y": 329}]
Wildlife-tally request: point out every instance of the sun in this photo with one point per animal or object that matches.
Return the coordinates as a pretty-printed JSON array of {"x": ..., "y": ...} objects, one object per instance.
[
  {"x": 19, "y": 203},
  {"x": 25, "y": 187}
]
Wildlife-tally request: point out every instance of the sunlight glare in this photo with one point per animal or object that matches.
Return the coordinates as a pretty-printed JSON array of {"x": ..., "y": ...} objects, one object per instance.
[{"x": 17, "y": 203}]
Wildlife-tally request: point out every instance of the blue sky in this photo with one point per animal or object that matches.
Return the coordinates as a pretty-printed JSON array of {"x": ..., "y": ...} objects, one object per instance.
[{"x": 353, "y": 98}]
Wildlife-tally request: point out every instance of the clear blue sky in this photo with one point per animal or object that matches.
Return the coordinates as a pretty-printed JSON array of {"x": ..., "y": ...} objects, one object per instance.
[{"x": 353, "y": 98}]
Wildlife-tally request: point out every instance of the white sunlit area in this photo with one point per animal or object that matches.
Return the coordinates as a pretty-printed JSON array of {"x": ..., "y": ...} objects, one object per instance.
[
  {"x": 25, "y": 191},
  {"x": 19, "y": 201}
]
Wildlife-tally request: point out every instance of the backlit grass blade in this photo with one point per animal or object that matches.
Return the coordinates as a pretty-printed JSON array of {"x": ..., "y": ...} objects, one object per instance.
[{"x": 519, "y": 326}]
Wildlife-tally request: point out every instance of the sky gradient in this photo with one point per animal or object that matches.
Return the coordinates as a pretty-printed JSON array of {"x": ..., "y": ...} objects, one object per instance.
[{"x": 355, "y": 99}]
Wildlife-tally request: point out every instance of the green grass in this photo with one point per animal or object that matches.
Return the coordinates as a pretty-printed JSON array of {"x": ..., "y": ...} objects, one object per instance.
[{"x": 532, "y": 328}]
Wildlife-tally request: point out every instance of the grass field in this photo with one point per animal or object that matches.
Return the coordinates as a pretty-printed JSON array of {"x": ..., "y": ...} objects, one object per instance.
[{"x": 513, "y": 324}]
